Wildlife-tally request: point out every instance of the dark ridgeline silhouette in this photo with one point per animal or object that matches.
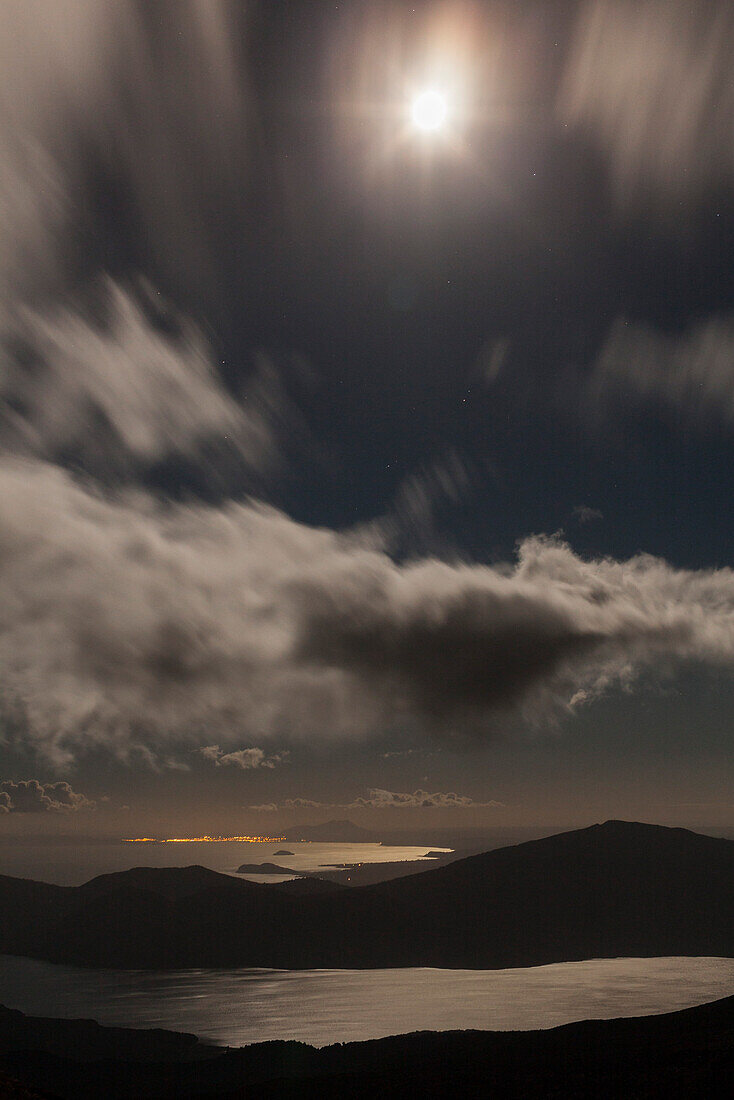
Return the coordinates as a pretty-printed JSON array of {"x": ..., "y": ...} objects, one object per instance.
[
  {"x": 683, "y": 1054},
  {"x": 618, "y": 889}
]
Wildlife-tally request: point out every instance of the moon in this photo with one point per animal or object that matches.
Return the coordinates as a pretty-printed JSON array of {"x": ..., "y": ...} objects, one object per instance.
[{"x": 429, "y": 110}]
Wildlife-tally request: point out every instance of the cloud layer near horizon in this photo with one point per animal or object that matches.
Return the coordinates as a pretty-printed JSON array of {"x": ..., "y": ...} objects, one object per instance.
[{"x": 380, "y": 799}]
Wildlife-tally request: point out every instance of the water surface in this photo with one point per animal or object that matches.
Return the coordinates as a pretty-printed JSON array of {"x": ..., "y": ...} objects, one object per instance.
[
  {"x": 236, "y": 1007},
  {"x": 72, "y": 863}
]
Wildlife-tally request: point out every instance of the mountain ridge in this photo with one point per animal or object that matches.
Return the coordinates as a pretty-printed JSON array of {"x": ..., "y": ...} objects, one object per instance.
[
  {"x": 612, "y": 889},
  {"x": 685, "y": 1053}
]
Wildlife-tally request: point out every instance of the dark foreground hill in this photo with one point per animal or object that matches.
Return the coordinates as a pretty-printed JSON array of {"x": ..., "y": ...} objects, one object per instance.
[
  {"x": 618, "y": 889},
  {"x": 684, "y": 1054}
]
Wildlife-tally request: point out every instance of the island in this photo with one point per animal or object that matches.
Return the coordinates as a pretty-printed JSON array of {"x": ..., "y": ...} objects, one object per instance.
[{"x": 265, "y": 869}]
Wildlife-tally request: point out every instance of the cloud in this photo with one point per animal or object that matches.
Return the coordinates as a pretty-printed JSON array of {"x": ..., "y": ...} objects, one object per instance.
[
  {"x": 650, "y": 81},
  {"x": 28, "y": 796},
  {"x": 402, "y": 752},
  {"x": 157, "y": 103},
  {"x": 120, "y": 390},
  {"x": 156, "y": 106},
  {"x": 422, "y": 497},
  {"x": 379, "y": 799},
  {"x": 492, "y": 359},
  {"x": 583, "y": 514},
  {"x": 130, "y": 625},
  {"x": 690, "y": 375},
  {"x": 246, "y": 759}
]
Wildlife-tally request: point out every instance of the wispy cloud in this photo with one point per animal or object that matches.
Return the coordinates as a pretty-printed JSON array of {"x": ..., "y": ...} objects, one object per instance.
[
  {"x": 688, "y": 375},
  {"x": 120, "y": 390},
  {"x": 650, "y": 81},
  {"x": 422, "y": 498},
  {"x": 155, "y": 97},
  {"x": 583, "y": 514}
]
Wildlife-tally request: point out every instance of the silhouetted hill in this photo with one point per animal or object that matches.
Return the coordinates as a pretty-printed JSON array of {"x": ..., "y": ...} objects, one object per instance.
[
  {"x": 308, "y": 887},
  {"x": 88, "y": 1041},
  {"x": 265, "y": 869},
  {"x": 683, "y": 1054},
  {"x": 336, "y": 832},
  {"x": 170, "y": 882},
  {"x": 618, "y": 889}
]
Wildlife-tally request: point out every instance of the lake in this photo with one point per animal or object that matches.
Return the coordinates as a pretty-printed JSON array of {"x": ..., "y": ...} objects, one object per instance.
[{"x": 236, "y": 1007}]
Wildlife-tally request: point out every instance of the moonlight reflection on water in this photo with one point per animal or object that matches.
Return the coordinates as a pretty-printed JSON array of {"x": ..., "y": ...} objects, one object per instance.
[{"x": 236, "y": 1007}]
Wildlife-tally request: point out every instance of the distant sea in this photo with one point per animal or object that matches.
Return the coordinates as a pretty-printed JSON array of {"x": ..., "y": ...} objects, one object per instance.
[
  {"x": 70, "y": 863},
  {"x": 236, "y": 1007}
]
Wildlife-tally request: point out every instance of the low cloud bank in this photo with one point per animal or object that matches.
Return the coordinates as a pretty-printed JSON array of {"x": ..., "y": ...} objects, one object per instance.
[{"x": 379, "y": 799}]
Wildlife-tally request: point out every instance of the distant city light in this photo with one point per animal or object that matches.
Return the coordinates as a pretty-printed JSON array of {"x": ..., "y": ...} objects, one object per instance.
[{"x": 202, "y": 839}]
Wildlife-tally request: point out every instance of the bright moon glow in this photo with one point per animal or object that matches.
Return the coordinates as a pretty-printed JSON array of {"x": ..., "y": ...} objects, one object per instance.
[{"x": 429, "y": 110}]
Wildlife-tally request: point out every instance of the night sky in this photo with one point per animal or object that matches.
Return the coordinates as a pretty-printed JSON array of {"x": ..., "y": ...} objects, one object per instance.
[{"x": 350, "y": 468}]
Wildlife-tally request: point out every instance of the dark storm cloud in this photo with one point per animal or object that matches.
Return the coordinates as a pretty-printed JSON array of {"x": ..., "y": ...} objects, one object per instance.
[
  {"x": 689, "y": 375},
  {"x": 28, "y": 796},
  {"x": 651, "y": 82},
  {"x": 446, "y": 646}
]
